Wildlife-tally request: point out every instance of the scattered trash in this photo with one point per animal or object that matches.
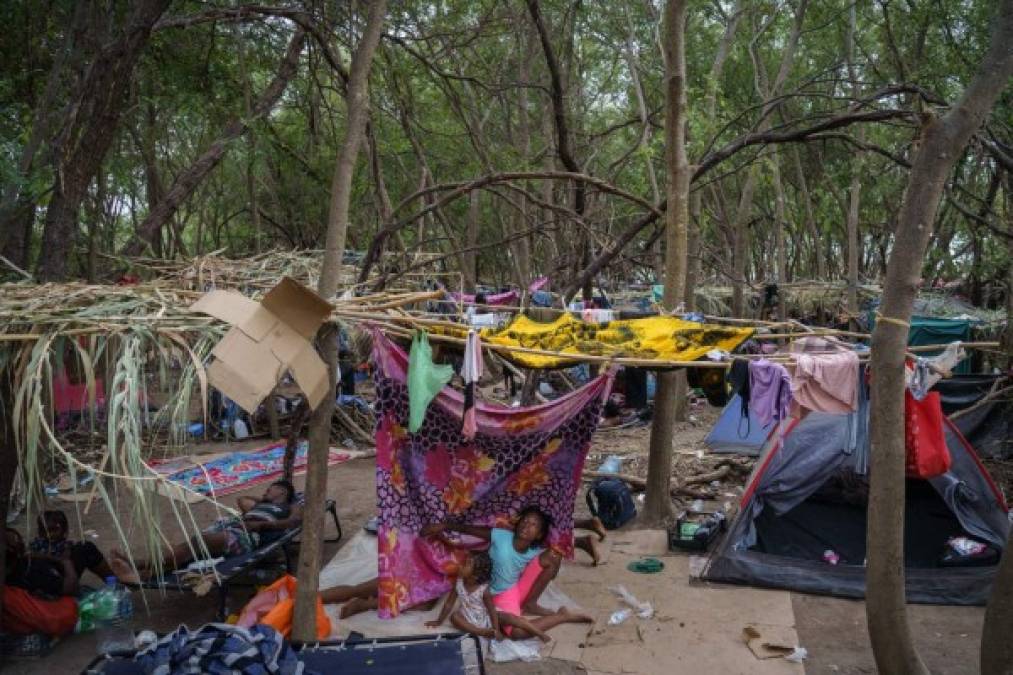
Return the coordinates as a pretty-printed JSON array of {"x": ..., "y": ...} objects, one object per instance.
[
  {"x": 619, "y": 616},
  {"x": 831, "y": 557},
  {"x": 514, "y": 650},
  {"x": 799, "y": 655},
  {"x": 646, "y": 566},
  {"x": 697, "y": 505},
  {"x": 612, "y": 464},
  {"x": 196, "y": 429},
  {"x": 644, "y": 609},
  {"x": 965, "y": 546},
  {"x": 771, "y": 642}
]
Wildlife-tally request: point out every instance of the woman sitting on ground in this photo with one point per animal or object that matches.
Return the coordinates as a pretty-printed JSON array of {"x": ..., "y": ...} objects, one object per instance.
[
  {"x": 44, "y": 576},
  {"x": 261, "y": 523},
  {"x": 522, "y": 565},
  {"x": 363, "y": 597}
]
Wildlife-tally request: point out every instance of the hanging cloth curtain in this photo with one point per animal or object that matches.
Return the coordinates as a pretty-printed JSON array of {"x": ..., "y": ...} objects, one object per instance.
[
  {"x": 425, "y": 379},
  {"x": 471, "y": 371}
]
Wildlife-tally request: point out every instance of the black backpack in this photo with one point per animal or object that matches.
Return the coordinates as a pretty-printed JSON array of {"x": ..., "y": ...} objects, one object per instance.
[{"x": 611, "y": 501}]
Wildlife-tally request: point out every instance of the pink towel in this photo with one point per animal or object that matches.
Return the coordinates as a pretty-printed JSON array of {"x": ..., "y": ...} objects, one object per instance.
[{"x": 825, "y": 382}]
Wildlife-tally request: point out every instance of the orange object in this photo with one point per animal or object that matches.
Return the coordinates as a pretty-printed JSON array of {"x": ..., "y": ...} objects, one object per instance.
[
  {"x": 24, "y": 614},
  {"x": 275, "y": 606}
]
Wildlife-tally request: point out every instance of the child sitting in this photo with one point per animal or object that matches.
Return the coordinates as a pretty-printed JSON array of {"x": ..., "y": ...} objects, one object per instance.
[
  {"x": 478, "y": 615},
  {"x": 52, "y": 545}
]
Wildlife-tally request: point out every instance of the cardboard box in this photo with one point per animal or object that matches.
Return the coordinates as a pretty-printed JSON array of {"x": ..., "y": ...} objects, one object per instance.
[{"x": 267, "y": 340}]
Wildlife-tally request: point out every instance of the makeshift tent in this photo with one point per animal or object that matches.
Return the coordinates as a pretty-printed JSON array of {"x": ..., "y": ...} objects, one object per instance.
[
  {"x": 735, "y": 433},
  {"x": 987, "y": 427},
  {"x": 518, "y": 457},
  {"x": 805, "y": 498}
]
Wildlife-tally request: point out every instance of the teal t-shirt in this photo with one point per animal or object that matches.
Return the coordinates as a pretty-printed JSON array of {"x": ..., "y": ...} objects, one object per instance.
[{"x": 507, "y": 563}]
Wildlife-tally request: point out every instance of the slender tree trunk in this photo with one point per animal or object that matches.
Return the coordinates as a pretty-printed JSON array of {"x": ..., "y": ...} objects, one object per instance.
[
  {"x": 780, "y": 247},
  {"x": 188, "y": 181},
  {"x": 996, "y": 647},
  {"x": 810, "y": 218},
  {"x": 740, "y": 244},
  {"x": 856, "y": 186},
  {"x": 941, "y": 144},
  {"x": 304, "y": 622},
  {"x": 470, "y": 269},
  {"x": 658, "y": 507}
]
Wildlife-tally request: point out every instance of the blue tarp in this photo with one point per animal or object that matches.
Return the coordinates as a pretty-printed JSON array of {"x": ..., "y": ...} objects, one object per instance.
[{"x": 734, "y": 434}]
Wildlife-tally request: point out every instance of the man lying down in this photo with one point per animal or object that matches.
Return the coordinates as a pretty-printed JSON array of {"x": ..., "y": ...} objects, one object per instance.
[
  {"x": 259, "y": 523},
  {"x": 494, "y": 589}
]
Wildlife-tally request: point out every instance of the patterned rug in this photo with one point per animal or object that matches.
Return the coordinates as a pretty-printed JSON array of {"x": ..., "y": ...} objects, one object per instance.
[{"x": 238, "y": 471}]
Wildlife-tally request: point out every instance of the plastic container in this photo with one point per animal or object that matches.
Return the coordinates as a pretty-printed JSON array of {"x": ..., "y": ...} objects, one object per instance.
[
  {"x": 113, "y": 614},
  {"x": 239, "y": 429},
  {"x": 696, "y": 530},
  {"x": 612, "y": 464}
]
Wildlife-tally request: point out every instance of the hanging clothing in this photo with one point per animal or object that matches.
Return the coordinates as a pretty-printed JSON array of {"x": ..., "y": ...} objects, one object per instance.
[
  {"x": 926, "y": 372},
  {"x": 425, "y": 379},
  {"x": 519, "y": 456},
  {"x": 769, "y": 391},
  {"x": 471, "y": 371},
  {"x": 826, "y": 382}
]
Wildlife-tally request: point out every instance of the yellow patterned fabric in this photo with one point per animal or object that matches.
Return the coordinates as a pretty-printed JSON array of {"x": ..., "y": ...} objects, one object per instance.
[{"x": 659, "y": 338}]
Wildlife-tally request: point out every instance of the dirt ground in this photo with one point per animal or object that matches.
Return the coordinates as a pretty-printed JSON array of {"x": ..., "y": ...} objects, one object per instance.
[{"x": 833, "y": 631}]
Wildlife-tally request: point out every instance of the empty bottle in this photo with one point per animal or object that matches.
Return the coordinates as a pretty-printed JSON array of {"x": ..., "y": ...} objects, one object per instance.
[{"x": 114, "y": 610}]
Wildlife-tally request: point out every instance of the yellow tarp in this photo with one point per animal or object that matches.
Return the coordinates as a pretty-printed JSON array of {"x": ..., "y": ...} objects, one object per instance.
[{"x": 659, "y": 338}]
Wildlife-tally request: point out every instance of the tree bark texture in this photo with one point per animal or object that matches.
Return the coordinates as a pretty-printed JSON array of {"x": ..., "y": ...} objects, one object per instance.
[
  {"x": 304, "y": 621},
  {"x": 88, "y": 130},
  {"x": 996, "y": 646},
  {"x": 658, "y": 505},
  {"x": 942, "y": 141}
]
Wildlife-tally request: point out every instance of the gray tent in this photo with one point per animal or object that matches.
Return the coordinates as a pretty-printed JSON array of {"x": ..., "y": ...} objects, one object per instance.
[{"x": 808, "y": 495}]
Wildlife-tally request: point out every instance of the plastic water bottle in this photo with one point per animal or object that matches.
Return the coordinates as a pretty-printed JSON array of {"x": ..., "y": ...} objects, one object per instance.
[{"x": 114, "y": 610}]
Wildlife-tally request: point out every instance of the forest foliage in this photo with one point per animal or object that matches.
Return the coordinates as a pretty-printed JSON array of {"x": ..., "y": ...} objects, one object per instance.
[{"x": 798, "y": 109}]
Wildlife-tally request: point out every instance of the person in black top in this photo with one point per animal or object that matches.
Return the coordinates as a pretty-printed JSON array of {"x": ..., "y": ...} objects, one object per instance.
[
  {"x": 44, "y": 577},
  {"x": 260, "y": 522},
  {"x": 52, "y": 544}
]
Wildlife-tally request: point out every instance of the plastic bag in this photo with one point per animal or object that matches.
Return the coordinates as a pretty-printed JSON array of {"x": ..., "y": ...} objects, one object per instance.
[{"x": 643, "y": 609}]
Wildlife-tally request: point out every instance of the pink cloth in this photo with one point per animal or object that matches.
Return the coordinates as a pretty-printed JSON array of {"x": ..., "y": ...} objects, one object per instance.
[
  {"x": 825, "y": 382},
  {"x": 512, "y": 599},
  {"x": 518, "y": 457},
  {"x": 538, "y": 284}
]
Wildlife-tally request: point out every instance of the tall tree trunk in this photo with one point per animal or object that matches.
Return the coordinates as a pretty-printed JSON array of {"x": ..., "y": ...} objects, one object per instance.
[
  {"x": 304, "y": 622},
  {"x": 856, "y": 185},
  {"x": 780, "y": 248},
  {"x": 941, "y": 143},
  {"x": 470, "y": 269},
  {"x": 88, "y": 131},
  {"x": 658, "y": 507},
  {"x": 740, "y": 244},
  {"x": 563, "y": 140},
  {"x": 996, "y": 647},
  {"x": 810, "y": 218},
  {"x": 188, "y": 181}
]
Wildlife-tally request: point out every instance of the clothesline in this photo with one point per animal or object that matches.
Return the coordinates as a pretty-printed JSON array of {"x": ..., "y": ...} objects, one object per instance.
[{"x": 391, "y": 324}]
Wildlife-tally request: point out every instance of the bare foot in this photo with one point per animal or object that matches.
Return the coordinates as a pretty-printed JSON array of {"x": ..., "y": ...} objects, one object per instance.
[
  {"x": 598, "y": 528},
  {"x": 124, "y": 572},
  {"x": 355, "y": 606},
  {"x": 595, "y": 552}
]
